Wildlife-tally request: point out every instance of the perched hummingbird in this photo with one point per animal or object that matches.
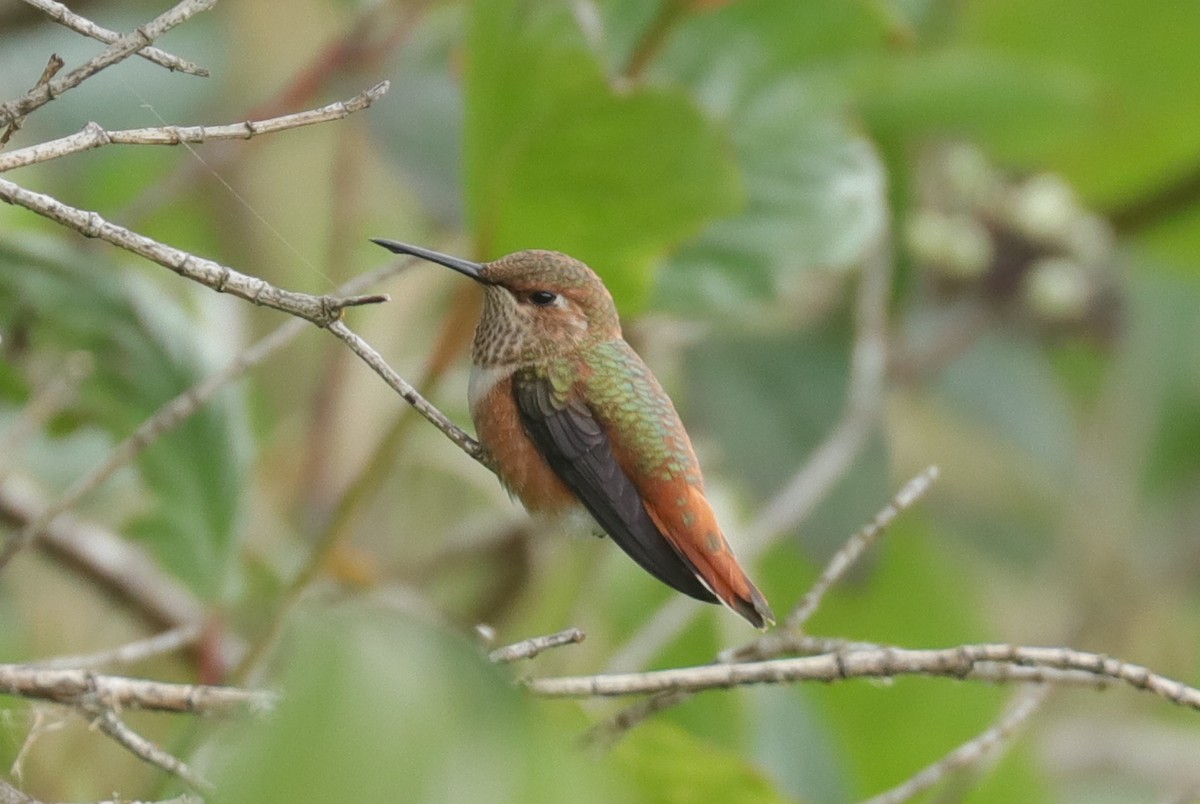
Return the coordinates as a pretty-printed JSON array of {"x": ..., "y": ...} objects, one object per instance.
[{"x": 569, "y": 416}]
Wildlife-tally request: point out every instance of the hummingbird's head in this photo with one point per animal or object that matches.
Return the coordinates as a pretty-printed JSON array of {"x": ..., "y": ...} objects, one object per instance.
[{"x": 537, "y": 304}]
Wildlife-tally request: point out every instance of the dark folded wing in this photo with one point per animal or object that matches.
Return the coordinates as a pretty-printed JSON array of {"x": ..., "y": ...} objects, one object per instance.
[{"x": 580, "y": 452}]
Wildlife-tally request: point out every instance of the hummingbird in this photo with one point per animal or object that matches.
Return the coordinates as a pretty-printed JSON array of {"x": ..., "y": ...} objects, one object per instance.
[{"x": 569, "y": 416}]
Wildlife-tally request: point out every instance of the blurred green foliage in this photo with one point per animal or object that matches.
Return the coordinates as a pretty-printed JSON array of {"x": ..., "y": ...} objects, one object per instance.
[{"x": 726, "y": 167}]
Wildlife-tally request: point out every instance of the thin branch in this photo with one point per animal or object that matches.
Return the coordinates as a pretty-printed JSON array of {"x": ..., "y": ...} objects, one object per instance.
[
  {"x": 839, "y": 564},
  {"x": 372, "y": 358},
  {"x": 123, "y": 47},
  {"x": 320, "y": 310},
  {"x": 858, "y": 544},
  {"x": 53, "y": 65},
  {"x": 354, "y": 51},
  {"x": 528, "y": 648},
  {"x": 111, "y": 724},
  {"x": 972, "y": 752},
  {"x": 130, "y": 653},
  {"x": 95, "y": 136},
  {"x": 80, "y": 687},
  {"x": 81, "y": 25},
  {"x": 956, "y": 662}
]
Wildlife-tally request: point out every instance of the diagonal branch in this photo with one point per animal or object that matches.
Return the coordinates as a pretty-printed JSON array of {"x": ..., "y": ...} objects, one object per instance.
[
  {"x": 95, "y": 136},
  {"x": 123, "y": 47},
  {"x": 320, "y": 310},
  {"x": 111, "y": 724},
  {"x": 82, "y": 25},
  {"x": 372, "y": 358}
]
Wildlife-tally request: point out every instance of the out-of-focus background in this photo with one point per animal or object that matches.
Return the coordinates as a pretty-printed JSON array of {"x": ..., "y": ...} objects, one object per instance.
[{"x": 730, "y": 169}]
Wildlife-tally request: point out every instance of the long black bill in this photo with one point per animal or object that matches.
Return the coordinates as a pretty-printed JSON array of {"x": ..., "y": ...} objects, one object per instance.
[{"x": 471, "y": 269}]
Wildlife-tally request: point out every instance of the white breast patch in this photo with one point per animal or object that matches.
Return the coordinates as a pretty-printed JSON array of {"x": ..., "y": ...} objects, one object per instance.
[{"x": 483, "y": 380}]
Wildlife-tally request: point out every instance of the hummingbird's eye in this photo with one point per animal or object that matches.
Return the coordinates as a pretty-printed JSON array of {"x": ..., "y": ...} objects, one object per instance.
[{"x": 543, "y": 298}]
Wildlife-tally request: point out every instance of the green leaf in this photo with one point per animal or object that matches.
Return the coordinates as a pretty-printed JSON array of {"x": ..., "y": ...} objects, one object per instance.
[
  {"x": 380, "y": 709},
  {"x": 814, "y": 186},
  {"x": 1144, "y": 61},
  {"x": 670, "y": 766},
  {"x": 144, "y": 351},
  {"x": 557, "y": 158}
]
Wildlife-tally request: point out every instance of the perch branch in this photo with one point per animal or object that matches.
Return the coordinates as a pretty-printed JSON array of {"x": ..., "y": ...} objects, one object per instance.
[
  {"x": 958, "y": 662},
  {"x": 372, "y": 358},
  {"x": 93, "y": 135},
  {"x": 121, "y": 48},
  {"x": 81, "y": 25}
]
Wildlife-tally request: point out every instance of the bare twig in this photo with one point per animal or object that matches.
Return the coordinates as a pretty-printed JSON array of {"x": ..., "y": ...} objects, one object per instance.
[
  {"x": 372, "y": 358},
  {"x": 130, "y": 653},
  {"x": 836, "y": 568},
  {"x": 956, "y": 662},
  {"x": 81, "y": 25},
  {"x": 608, "y": 731},
  {"x": 53, "y": 65},
  {"x": 78, "y": 687},
  {"x": 111, "y": 724},
  {"x": 975, "y": 750},
  {"x": 121, "y": 48},
  {"x": 95, "y": 136},
  {"x": 528, "y": 648},
  {"x": 858, "y": 544},
  {"x": 320, "y": 310}
]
